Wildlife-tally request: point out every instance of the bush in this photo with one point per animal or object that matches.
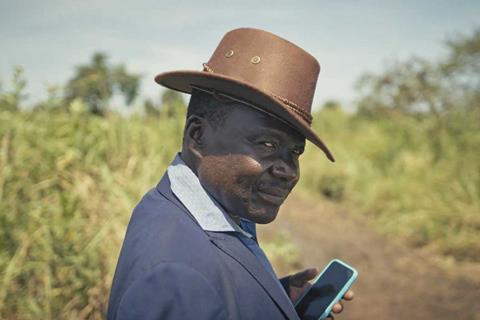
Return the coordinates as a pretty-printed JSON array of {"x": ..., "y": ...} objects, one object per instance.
[
  {"x": 415, "y": 180},
  {"x": 68, "y": 183}
]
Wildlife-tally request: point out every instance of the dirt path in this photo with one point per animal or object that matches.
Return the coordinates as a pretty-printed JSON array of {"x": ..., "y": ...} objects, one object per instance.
[{"x": 395, "y": 282}]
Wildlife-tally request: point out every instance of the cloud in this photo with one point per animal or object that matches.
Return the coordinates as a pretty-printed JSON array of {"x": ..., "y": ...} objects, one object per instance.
[{"x": 50, "y": 37}]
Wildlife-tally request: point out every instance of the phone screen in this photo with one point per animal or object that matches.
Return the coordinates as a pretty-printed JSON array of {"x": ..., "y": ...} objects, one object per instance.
[{"x": 323, "y": 291}]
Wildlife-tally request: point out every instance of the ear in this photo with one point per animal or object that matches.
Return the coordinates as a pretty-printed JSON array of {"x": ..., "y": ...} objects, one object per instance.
[{"x": 194, "y": 135}]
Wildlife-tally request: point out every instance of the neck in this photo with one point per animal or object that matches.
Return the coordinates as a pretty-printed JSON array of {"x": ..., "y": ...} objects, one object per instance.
[{"x": 189, "y": 161}]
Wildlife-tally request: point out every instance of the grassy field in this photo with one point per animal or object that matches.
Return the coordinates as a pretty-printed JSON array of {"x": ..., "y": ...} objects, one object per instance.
[
  {"x": 414, "y": 178},
  {"x": 68, "y": 183}
]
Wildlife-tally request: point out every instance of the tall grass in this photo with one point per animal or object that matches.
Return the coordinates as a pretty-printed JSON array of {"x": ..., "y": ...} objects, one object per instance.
[
  {"x": 68, "y": 183},
  {"x": 417, "y": 179}
]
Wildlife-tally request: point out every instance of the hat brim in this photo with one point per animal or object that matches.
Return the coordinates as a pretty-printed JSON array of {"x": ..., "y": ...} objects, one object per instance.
[{"x": 185, "y": 80}]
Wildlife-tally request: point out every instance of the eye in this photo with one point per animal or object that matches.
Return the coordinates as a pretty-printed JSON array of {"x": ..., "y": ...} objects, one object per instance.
[
  {"x": 298, "y": 150},
  {"x": 268, "y": 144}
]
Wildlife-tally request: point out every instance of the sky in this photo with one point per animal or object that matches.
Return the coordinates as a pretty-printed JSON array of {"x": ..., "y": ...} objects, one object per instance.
[{"x": 49, "y": 38}]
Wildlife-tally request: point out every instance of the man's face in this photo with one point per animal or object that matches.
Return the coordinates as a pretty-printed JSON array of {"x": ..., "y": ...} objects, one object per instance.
[{"x": 250, "y": 163}]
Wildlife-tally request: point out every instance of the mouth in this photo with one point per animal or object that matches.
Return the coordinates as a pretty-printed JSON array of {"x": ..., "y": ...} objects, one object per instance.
[{"x": 274, "y": 196}]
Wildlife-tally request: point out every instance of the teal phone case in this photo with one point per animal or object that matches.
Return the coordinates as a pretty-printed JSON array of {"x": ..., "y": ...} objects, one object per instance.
[{"x": 340, "y": 293}]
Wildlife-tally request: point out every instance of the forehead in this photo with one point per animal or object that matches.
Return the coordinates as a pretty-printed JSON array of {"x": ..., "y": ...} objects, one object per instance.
[{"x": 245, "y": 119}]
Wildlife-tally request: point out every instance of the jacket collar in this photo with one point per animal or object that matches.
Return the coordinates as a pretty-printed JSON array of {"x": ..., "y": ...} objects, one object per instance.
[
  {"x": 233, "y": 247},
  {"x": 187, "y": 188}
]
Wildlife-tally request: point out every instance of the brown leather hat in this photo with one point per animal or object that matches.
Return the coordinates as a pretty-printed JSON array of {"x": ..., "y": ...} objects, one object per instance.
[{"x": 262, "y": 70}]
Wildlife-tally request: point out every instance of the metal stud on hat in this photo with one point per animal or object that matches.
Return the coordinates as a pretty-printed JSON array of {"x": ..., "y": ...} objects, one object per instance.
[
  {"x": 255, "y": 60},
  {"x": 265, "y": 71}
]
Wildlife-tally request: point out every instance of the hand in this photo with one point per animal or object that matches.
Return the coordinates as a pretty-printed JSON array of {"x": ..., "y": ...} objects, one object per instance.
[
  {"x": 299, "y": 283},
  {"x": 338, "y": 307}
]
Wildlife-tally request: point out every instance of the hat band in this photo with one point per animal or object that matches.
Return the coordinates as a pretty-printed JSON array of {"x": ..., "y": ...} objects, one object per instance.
[{"x": 307, "y": 117}]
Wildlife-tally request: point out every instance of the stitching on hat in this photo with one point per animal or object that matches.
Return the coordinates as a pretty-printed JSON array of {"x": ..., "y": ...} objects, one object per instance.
[
  {"x": 295, "y": 107},
  {"x": 291, "y": 105}
]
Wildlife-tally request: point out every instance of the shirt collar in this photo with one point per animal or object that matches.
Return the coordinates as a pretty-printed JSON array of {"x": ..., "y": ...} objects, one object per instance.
[{"x": 204, "y": 208}]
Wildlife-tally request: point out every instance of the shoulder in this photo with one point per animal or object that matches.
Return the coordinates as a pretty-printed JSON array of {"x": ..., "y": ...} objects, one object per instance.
[
  {"x": 160, "y": 230},
  {"x": 157, "y": 209},
  {"x": 162, "y": 242}
]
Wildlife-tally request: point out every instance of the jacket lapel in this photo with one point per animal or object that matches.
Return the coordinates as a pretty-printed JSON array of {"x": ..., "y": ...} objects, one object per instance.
[{"x": 233, "y": 247}]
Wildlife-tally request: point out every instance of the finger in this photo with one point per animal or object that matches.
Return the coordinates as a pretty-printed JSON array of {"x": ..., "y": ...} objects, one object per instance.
[
  {"x": 337, "y": 307},
  {"x": 300, "y": 278},
  {"x": 306, "y": 274},
  {"x": 349, "y": 295},
  {"x": 330, "y": 316}
]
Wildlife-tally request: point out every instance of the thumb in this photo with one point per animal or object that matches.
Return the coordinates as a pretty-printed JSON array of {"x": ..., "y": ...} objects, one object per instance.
[{"x": 302, "y": 277}]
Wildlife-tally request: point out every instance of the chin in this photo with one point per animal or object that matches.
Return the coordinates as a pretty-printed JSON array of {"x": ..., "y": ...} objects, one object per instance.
[{"x": 263, "y": 216}]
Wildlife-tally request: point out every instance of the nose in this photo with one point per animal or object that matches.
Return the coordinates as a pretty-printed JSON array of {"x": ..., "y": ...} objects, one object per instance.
[{"x": 285, "y": 169}]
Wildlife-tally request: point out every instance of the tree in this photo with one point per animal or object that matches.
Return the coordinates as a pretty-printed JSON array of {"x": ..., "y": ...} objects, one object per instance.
[
  {"x": 151, "y": 110},
  {"x": 172, "y": 104},
  {"x": 12, "y": 100},
  {"x": 443, "y": 95},
  {"x": 96, "y": 82},
  {"x": 419, "y": 87},
  {"x": 462, "y": 68},
  {"x": 332, "y": 105},
  {"x": 54, "y": 101}
]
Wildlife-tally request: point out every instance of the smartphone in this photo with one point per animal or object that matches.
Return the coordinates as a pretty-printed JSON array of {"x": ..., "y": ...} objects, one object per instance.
[{"x": 327, "y": 289}]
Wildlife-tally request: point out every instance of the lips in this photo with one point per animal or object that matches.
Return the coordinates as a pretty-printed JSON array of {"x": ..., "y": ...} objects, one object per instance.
[{"x": 272, "y": 194}]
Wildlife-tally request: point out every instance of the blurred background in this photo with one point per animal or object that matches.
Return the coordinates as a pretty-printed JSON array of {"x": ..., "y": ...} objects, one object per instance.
[{"x": 85, "y": 132}]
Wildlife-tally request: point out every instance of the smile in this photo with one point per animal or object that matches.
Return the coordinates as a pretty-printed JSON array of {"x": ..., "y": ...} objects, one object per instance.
[{"x": 273, "y": 196}]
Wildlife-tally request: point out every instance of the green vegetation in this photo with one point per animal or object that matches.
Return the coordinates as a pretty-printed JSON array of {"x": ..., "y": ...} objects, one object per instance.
[
  {"x": 68, "y": 183},
  {"x": 413, "y": 183},
  {"x": 281, "y": 251},
  {"x": 96, "y": 82},
  {"x": 408, "y": 159}
]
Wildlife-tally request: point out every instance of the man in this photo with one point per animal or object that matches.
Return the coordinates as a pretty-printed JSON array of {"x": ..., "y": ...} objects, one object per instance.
[{"x": 191, "y": 251}]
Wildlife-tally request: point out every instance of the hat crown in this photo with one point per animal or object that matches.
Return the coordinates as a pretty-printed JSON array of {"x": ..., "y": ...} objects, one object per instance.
[
  {"x": 262, "y": 70},
  {"x": 268, "y": 62}
]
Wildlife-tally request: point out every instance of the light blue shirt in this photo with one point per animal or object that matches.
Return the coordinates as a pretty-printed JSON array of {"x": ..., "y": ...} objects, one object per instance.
[{"x": 208, "y": 212}]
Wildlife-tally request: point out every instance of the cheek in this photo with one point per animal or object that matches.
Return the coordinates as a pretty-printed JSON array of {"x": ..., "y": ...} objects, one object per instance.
[{"x": 232, "y": 175}]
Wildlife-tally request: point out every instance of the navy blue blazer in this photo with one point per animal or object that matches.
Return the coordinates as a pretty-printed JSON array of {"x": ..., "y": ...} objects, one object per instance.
[{"x": 170, "y": 268}]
